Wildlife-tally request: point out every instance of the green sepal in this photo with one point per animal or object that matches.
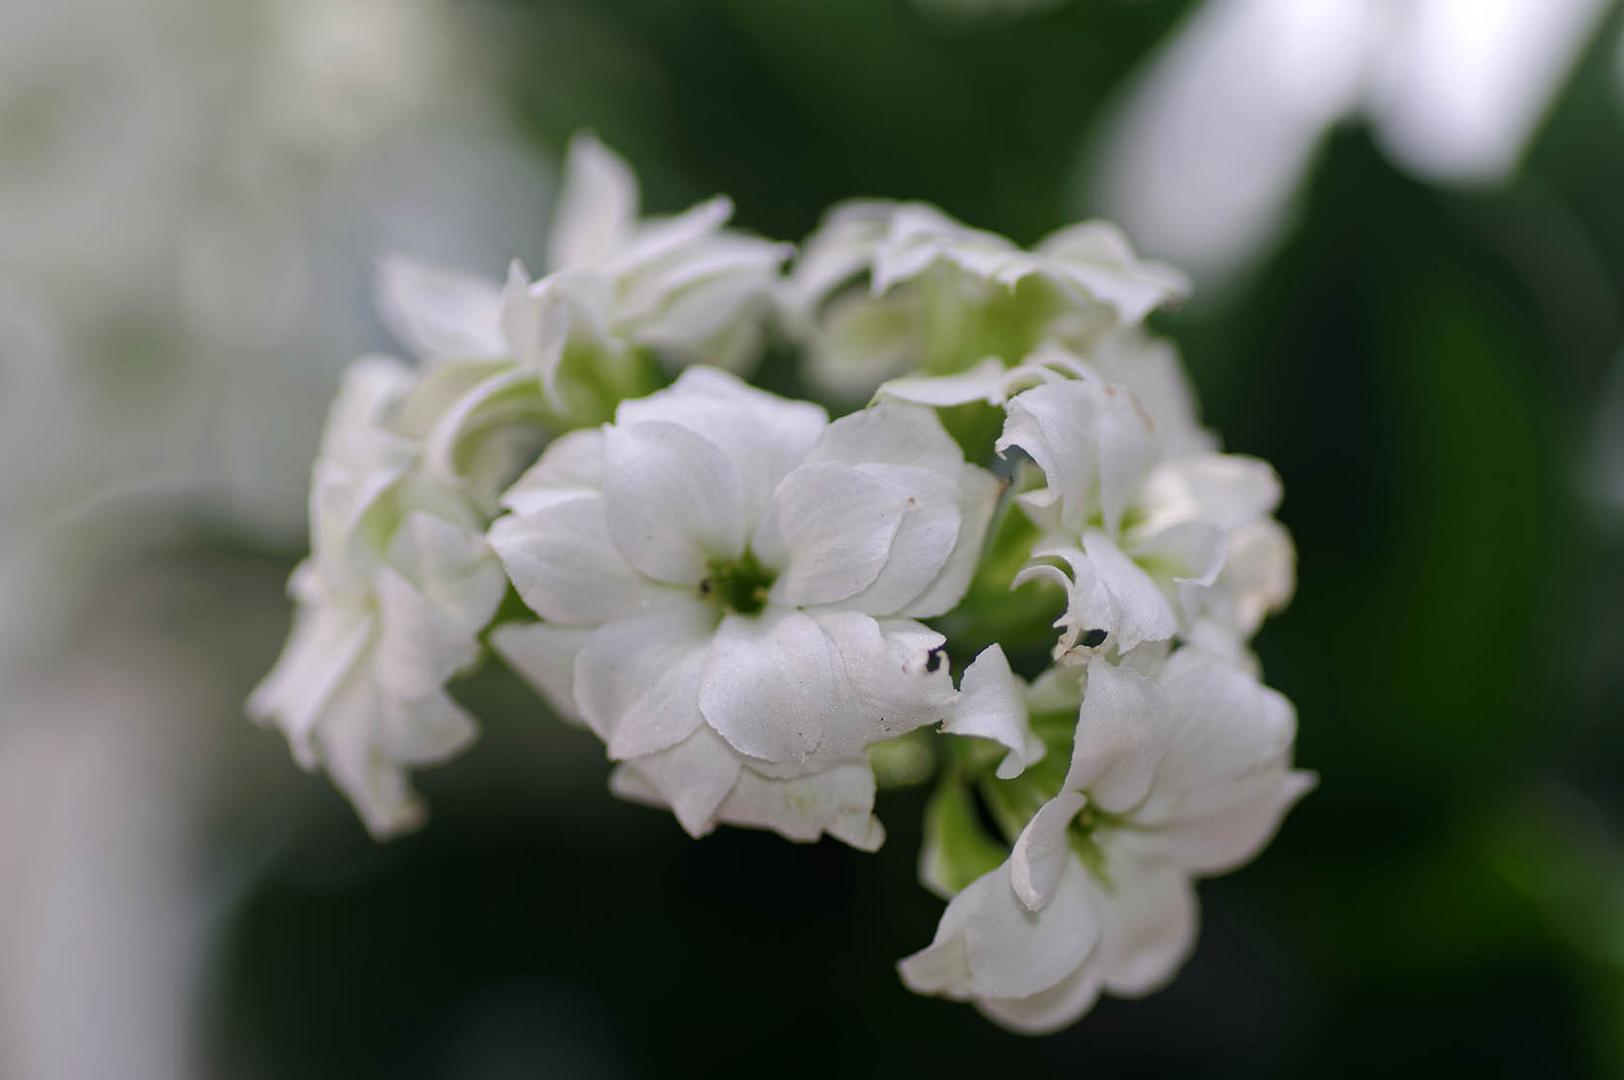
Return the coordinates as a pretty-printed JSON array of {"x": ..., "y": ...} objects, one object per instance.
[
  {"x": 905, "y": 761},
  {"x": 957, "y": 848}
]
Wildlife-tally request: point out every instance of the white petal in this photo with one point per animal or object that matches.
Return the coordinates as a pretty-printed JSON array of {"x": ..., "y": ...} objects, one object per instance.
[
  {"x": 1258, "y": 577},
  {"x": 674, "y": 500},
  {"x": 417, "y": 648},
  {"x": 978, "y": 498},
  {"x": 1050, "y": 1010},
  {"x": 990, "y": 945},
  {"x": 439, "y": 389},
  {"x": 373, "y": 390},
  {"x": 637, "y": 680},
  {"x": 1224, "y": 727},
  {"x": 991, "y": 705},
  {"x": 801, "y": 693},
  {"x": 1109, "y": 592},
  {"x": 921, "y": 236},
  {"x": 1150, "y": 929},
  {"x": 1042, "y": 850},
  {"x": 541, "y": 319},
  {"x": 771, "y": 683},
  {"x": 321, "y": 652},
  {"x": 838, "y": 251},
  {"x": 1216, "y": 843},
  {"x": 1121, "y": 733},
  {"x": 571, "y": 465},
  {"x": 838, "y": 801},
  {"x": 568, "y": 569},
  {"x": 948, "y": 504},
  {"x": 987, "y": 382},
  {"x": 894, "y": 685},
  {"x": 926, "y": 539},
  {"x": 723, "y": 259},
  {"x": 890, "y": 433},
  {"x": 666, "y": 713},
  {"x": 440, "y": 590},
  {"x": 690, "y": 322},
  {"x": 362, "y": 459},
  {"x": 625, "y": 782},
  {"x": 451, "y": 567},
  {"x": 690, "y": 292},
  {"x": 663, "y": 238},
  {"x": 692, "y": 778},
  {"x": 1151, "y": 369},
  {"x": 425, "y": 730},
  {"x": 1140, "y": 611},
  {"x": 1093, "y": 442},
  {"x": 837, "y": 525},
  {"x": 1097, "y": 256},
  {"x": 1191, "y": 552},
  {"x": 544, "y": 655},
  {"x": 943, "y": 966},
  {"x": 765, "y": 436},
  {"x": 440, "y": 313},
  {"x": 1017, "y": 952},
  {"x": 507, "y": 397},
  {"x": 596, "y": 209},
  {"x": 1228, "y": 490},
  {"x": 373, "y": 782}
]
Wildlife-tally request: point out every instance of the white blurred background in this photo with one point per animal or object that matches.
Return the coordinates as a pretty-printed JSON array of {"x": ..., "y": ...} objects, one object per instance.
[{"x": 192, "y": 197}]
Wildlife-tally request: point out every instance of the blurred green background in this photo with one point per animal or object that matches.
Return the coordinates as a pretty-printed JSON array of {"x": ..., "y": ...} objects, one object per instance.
[{"x": 1433, "y": 367}]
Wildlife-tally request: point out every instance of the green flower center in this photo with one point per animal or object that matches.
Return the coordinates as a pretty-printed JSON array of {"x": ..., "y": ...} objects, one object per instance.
[
  {"x": 1083, "y": 834},
  {"x": 738, "y": 585}
]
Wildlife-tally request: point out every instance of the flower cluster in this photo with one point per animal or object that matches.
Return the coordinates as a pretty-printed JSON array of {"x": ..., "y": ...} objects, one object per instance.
[{"x": 761, "y": 610}]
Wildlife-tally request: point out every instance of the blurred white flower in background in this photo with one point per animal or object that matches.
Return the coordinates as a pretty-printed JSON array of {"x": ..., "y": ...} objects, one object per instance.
[
  {"x": 193, "y": 194},
  {"x": 1200, "y": 163}
]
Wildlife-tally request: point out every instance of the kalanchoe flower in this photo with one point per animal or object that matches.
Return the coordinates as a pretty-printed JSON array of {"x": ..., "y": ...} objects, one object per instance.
[
  {"x": 1181, "y": 774},
  {"x": 398, "y": 586},
  {"x": 1138, "y": 539},
  {"x": 940, "y": 298},
  {"x": 1126, "y": 356},
  {"x": 729, "y": 587},
  {"x": 683, "y": 288}
]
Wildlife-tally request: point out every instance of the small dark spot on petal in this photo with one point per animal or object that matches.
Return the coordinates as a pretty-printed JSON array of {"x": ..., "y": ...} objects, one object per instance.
[
  {"x": 933, "y": 662},
  {"x": 1093, "y": 639}
]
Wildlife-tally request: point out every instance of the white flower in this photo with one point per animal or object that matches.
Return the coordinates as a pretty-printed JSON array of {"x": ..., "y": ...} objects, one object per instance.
[
  {"x": 1182, "y": 774},
  {"x": 729, "y": 585},
  {"x": 398, "y": 586},
  {"x": 1125, "y": 356},
  {"x": 1145, "y": 541},
  {"x": 941, "y": 297},
  {"x": 685, "y": 288}
]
